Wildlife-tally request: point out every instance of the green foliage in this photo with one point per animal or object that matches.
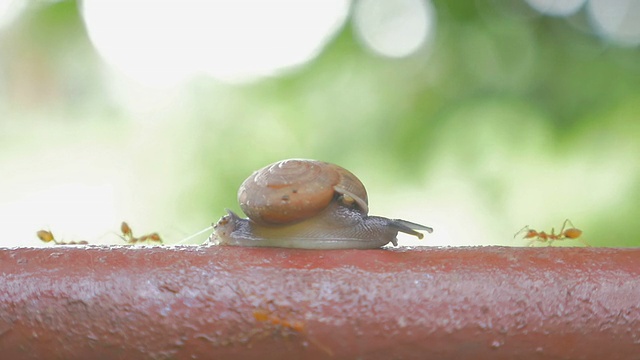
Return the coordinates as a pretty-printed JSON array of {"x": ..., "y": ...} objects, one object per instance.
[{"x": 532, "y": 119}]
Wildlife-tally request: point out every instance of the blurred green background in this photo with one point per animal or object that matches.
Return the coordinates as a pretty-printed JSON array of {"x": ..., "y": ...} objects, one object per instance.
[{"x": 475, "y": 117}]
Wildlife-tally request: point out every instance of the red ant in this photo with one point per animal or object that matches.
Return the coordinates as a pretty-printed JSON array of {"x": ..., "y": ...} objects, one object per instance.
[
  {"x": 570, "y": 233},
  {"x": 127, "y": 235},
  {"x": 47, "y": 236}
]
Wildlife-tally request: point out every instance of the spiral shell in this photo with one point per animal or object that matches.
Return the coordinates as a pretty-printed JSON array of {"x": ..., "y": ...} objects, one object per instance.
[{"x": 293, "y": 190}]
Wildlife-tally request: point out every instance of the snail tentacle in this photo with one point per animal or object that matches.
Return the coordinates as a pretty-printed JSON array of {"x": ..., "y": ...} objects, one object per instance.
[
  {"x": 410, "y": 228},
  {"x": 352, "y": 197}
]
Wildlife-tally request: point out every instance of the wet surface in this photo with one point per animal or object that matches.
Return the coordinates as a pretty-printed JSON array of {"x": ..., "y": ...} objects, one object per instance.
[{"x": 234, "y": 302}]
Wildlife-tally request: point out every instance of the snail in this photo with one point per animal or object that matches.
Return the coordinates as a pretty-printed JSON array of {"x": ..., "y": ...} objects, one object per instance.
[{"x": 307, "y": 204}]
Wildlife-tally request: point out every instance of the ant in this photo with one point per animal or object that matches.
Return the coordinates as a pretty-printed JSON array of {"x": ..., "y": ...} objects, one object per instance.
[
  {"x": 127, "y": 235},
  {"x": 264, "y": 315},
  {"x": 271, "y": 316},
  {"x": 570, "y": 233},
  {"x": 47, "y": 236}
]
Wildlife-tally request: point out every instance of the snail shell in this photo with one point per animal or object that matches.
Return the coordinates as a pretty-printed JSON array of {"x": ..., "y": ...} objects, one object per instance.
[
  {"x": 307, "y": 204},
  {"x": 290, "y": 191}
]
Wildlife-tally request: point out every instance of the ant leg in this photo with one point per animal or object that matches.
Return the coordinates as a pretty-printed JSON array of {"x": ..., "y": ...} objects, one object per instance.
[
  {"x": 526, "y": 227},
  {"x": 564, "y": 225},
  {"x": 583, "y": 242}
]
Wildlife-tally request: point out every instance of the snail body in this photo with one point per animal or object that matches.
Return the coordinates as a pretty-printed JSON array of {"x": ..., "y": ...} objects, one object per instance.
[{"x": 307, "y": 204}]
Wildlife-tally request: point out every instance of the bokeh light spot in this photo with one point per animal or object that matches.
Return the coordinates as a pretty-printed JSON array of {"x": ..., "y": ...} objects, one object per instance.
[
  {"x": 255, "y": 38},
  {"x": 616, "y": 20},
  {"x": 556, "y": 7},
  {"x": 170, "y": 41},
  {"x": 394, "y": 28},
  {"x": 9, "y": 10}
]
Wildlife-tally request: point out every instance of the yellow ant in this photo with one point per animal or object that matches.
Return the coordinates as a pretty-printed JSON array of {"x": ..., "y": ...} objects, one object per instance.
[
  {"x": 570, "y": 233},
  {"x": 47, "y": 236},
  {"x": 127, "y": 235}
]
